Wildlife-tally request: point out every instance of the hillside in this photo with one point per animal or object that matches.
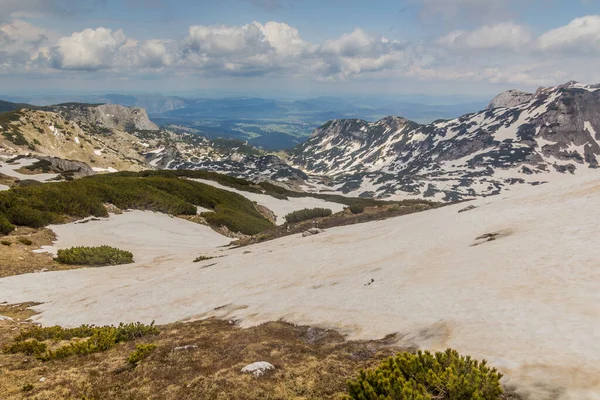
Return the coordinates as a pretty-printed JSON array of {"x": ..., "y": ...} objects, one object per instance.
[
  {"x": 520, "y": 139},
  {"x": 511, "y": 280}
]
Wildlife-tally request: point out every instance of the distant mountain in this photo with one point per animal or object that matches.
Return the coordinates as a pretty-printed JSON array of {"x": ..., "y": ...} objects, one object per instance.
[
  {"x": 521, "y": 138},
  {"x": 269, "y": 123}
]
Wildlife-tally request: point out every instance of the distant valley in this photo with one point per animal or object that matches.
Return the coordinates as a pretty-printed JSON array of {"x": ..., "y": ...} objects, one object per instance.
[{"x": 265, "y": 123}]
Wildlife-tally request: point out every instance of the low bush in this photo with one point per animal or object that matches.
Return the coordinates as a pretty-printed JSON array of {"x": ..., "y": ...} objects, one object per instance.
[
  {"x": 5, "y": 226},
  {"x": 94, "y": 256},
  {"x": 5, "y": 243},
  {"x": 426, "y": 376},
  {"x": 357, "y": 208},
  {"x": 141, "y": 352},
  {"x": 38, "y": 206},
  {"x": 30, "y": 348},
  {"x": 25, "y": 241},
  {"x": 306, "y": 214},
  {"x": 28, "y": 387},
  {"x": 202, "y": 258},
  {"x": 98, "y": 339}
]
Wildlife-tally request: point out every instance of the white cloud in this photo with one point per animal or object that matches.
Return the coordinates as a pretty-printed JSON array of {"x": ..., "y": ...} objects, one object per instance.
[
  {"x": 221, "y": 40},
  {"x": 489, "y": 37},
  {"x": 155, "y": 54},
  {"x": 91, "y": 49},
  {"x": 495, "y": 53},
  {"x": 582, "y": 35}
]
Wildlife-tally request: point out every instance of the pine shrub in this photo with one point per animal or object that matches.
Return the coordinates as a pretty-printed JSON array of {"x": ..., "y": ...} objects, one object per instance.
[
  {"x": 94, "y": 256},
  {"x": 306, "y": 214},
  {"x": 357, "y": 208},
  {"x": 141, "y": 352},
  {"x": 97, "y": 339},
  {"x": 426, "y": 376},
  {"x": 5, "y": 226},
  {"x": 25, "y": 241}
]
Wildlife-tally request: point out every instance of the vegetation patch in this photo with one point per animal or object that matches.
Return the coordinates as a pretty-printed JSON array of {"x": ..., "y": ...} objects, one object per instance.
[
  {"x": 202, "y": 258},
  {"x": 58, "y": 202},
  {"x": 30, "y": 342},
  {"x": 141, "y": 352},
  {"x": 306, "y": 214},
  {"x": 94, "y": 256},
  {"x": 357, "y": 208},
  {"x": 25, "y": 241},
  {"x": 427, "y": 376}
]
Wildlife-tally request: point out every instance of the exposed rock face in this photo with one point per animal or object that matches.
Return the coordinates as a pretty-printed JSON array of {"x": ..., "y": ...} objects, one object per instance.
[
  {"x": 510, "y": 98},
  {"x": 77, "y": 168},
  {"x": 109, "y": 116},
  {"x": 556, "y": 131}
]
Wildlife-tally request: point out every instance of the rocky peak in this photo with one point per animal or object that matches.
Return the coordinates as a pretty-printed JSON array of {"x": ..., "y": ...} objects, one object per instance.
[
  {"x": 510, "y": 98},
  {"x": 109, "y": 116}
]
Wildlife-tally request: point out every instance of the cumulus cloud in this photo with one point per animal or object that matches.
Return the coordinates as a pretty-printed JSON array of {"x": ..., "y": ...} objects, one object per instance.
[
  {"x": 495, "y": 53},
  {"x": 91, "y": 49},
  {"x": 582, "y": 35}
]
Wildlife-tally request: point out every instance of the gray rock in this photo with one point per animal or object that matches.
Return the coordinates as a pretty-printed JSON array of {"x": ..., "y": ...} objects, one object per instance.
[
  {"x": 312, "y": 231},
  {"x": 469, "y": 208},
  {"x": 510, "y": 98},
  {"x": 258, "y": 368}
]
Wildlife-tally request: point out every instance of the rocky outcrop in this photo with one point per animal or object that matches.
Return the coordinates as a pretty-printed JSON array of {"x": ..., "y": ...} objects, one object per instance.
[
  {"x": 107, "y": 116},
  {"x": 77, "y": 169},
  {"x": 510, "y": 98}
]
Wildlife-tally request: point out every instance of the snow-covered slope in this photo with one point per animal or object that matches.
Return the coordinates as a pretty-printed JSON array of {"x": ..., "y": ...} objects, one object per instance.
[
  {"x": 551, "y": 133},
  {"x": 514, "y": 281}
]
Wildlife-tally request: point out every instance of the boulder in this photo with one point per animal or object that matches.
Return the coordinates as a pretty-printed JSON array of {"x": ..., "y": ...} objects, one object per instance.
[
  {"x": 312, "y": 231},
  {"x": 258, "y": 368}
]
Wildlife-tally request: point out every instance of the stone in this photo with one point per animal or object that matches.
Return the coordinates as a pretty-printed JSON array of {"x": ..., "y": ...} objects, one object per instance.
[{"x": 258, "y": 368}]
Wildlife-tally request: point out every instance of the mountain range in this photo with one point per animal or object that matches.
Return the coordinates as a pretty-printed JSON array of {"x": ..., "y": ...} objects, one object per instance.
[
  {"x": 267, "y": 123},
  {"x": 520, "y": 138}
]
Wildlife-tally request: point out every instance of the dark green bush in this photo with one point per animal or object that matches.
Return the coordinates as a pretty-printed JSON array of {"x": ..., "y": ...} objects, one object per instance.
[
  {"x": 5, "y": 243},
  {"x": 49, "y": 203},
  {"x": 141, "y": 352},
  {"x": 202, "y": 258},
  {"x": 98, "y": 339},
  {"x": 5, "y": 226},
  {"x": 28, "y": 387},
  {"x": 25, "y": 241},
  {"x": 94, "y": 256},
  {"x": 30, "y": 347},
  {"x": 357, "y": 208},
  {"x": 426, "y": 376},
  {"x": 306, "y": 214}
]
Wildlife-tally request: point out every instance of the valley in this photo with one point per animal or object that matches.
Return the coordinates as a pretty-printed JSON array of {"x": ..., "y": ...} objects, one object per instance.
[{"x": 464, "y": 234}]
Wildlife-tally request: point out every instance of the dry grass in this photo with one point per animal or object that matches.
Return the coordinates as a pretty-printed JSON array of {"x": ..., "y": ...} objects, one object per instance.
[
  {"x": 19, "y": 258},
  {"x": 341, "y": 218},
  {"x": 8, "y": 180},
  {"x": 310, "y": 364}
]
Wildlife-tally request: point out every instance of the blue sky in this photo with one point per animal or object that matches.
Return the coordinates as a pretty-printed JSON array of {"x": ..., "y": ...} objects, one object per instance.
[{"x": 297, "y": 47}]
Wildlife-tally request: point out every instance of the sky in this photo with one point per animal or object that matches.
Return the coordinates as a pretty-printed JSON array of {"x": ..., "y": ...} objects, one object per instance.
[{"x": 284, "y": 48}]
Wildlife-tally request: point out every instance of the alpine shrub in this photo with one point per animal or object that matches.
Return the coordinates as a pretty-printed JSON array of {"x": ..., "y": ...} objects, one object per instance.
[
  {"x": 141, "y": 352},
  {"x": 426, "y": 376},
  {"x": 306, "y": 214},
  {"x": 357, "y": 208},
  {"x": 5, "y": 226},
  {"x": 94, "y": 256}
]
